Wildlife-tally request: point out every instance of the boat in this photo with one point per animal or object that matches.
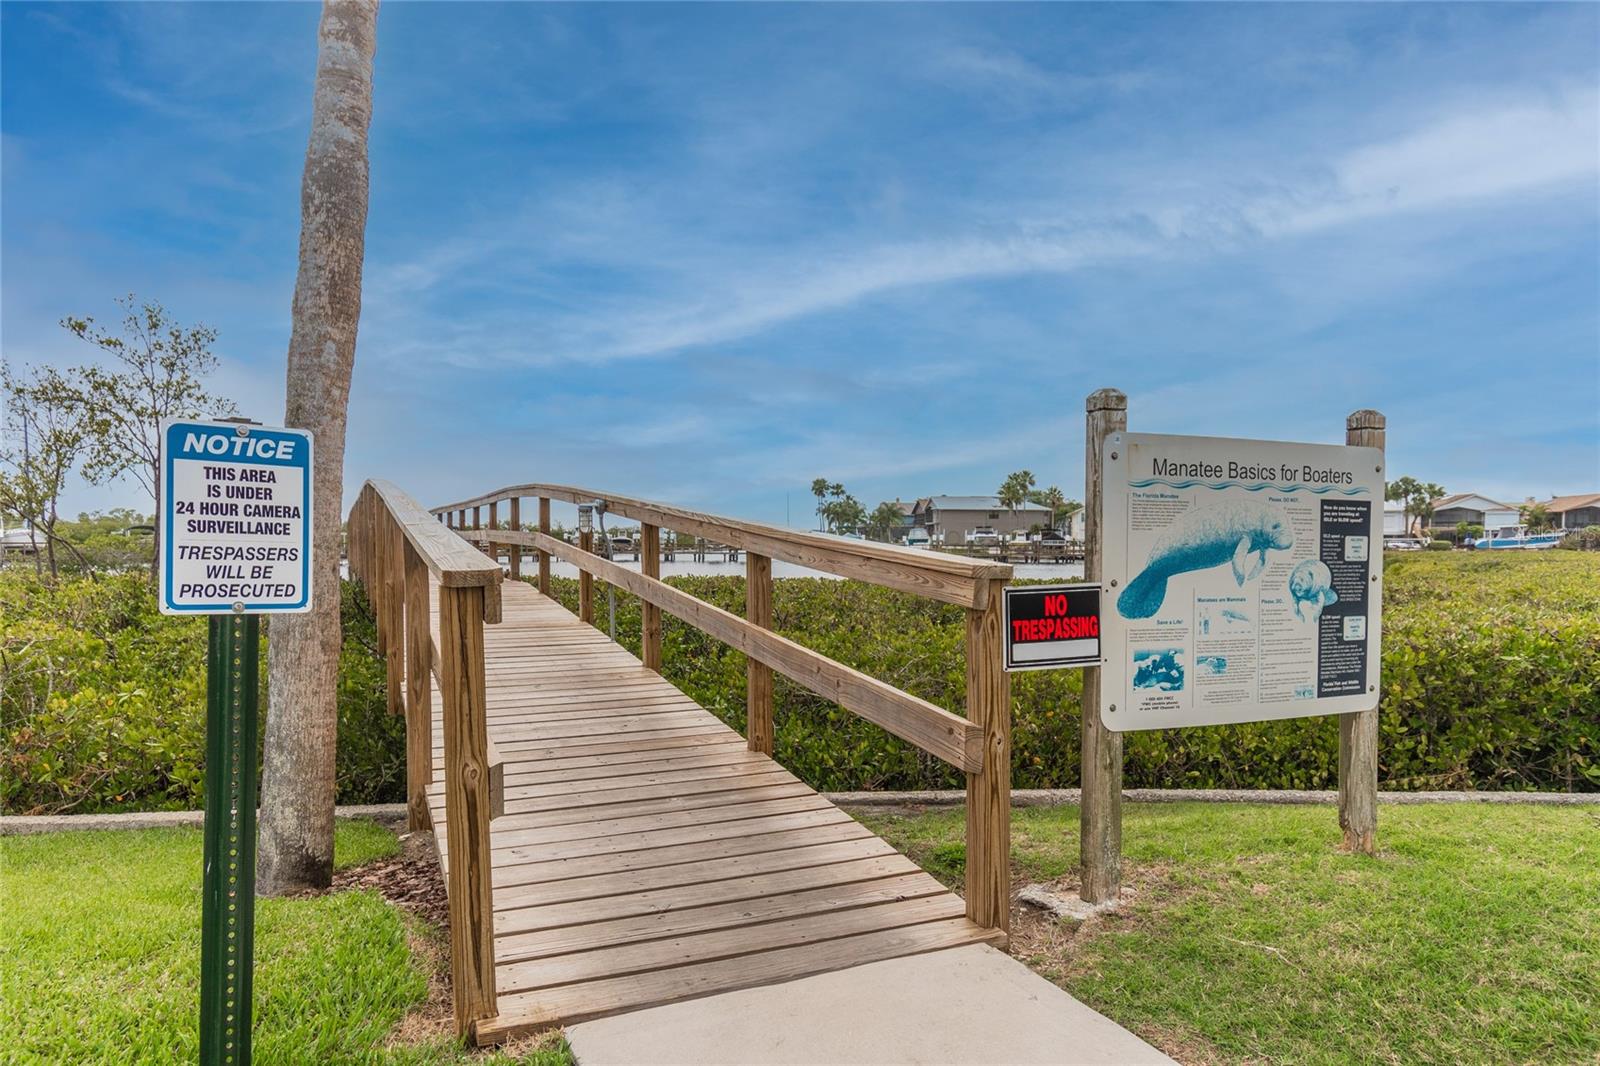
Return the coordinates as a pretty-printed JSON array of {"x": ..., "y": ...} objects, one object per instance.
[
  {"x": 1518, "y": 537},
  {"x": 983, "y": 536},
  {"x": 918, "y": 537}
]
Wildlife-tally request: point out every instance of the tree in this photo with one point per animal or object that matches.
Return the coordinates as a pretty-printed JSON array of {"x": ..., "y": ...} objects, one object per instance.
[
  {"x": 1424, "y": 500},
  {"x": 819, "y": 489},
  {"x": 1060, "y": 507},
  {"x": 1536, "y": 517},
  {"x": 1416, "y": 499},
  {"x": 843, "y": 512},
  {"x": 837, "y": 510},
  {"x": 1400, "y": 491},
  {"x": 44, "y": 437},
  {"x": 297, "y": 788},
  {"x": 885, "y": 519},
  {"x": 158, "y": 367},
  {"x": 117, "y": 540},
  {"x": 825, "y": 490},
  {"x": 1014, "y": 490}
]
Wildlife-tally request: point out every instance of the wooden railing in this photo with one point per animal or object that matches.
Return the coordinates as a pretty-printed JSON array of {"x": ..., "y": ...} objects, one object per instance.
[
  {"x": 399, "y": 553},
  {"x": 978, "y": 744}
]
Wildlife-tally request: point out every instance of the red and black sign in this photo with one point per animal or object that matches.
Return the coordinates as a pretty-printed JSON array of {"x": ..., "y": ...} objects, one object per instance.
[{"x": 1049, "y": 626}]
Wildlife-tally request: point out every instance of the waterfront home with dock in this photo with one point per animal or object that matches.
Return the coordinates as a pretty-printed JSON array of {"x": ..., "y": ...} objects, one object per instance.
[{"x": 950, "y": 519}]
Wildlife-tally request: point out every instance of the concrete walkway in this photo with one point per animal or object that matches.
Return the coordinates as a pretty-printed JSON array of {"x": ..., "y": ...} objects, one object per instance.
[{"x": 966, "y": 1005}]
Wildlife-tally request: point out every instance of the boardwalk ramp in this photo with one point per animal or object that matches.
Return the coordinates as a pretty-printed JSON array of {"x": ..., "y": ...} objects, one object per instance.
[
  {"x": 610, "y": 845},
  {"x": 647, "y": 856}
]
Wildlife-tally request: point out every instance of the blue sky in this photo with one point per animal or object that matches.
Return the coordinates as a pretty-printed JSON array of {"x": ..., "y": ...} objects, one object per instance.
[{"x": 708, "y": 253}]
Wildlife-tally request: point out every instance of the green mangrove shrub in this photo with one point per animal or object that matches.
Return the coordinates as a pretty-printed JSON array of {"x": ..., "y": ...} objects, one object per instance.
[{"x": 102, "y": 700}]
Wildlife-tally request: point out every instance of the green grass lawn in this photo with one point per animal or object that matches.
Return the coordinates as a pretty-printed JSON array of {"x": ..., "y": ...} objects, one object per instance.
[
  {"x": 100, "y": 958},
  {"x": 1473, "y": 937}
]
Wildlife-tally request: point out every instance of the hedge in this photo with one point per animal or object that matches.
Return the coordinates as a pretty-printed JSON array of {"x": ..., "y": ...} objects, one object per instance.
[
  {"x": 1491, "y": 680},
  {"x": 102, "y": 701}
]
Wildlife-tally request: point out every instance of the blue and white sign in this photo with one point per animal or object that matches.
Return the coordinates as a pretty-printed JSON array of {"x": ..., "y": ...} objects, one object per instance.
[
  {"x": 1244, "y": 580},
  {"x": 235, "y": 519}
]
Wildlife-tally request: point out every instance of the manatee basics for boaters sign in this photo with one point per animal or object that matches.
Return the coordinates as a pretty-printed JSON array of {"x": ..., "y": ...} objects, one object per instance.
[
  {"x": 235, "y": 518},
  {"x": 1244, "y": 580}
]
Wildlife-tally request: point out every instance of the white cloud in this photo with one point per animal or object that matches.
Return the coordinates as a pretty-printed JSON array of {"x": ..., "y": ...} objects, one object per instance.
[
  {"x": 1518, "y": 148},
  {"x": 689, "y": 287}
]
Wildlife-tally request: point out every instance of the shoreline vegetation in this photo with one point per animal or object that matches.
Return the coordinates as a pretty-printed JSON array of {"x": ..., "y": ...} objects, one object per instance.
[{"x": 1491, "y": 681}]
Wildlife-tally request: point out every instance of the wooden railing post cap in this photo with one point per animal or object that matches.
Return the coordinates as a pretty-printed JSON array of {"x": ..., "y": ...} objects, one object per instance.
[
  {"x": 1106, "y": 400},
  {"x": 1366, "y": 418}
]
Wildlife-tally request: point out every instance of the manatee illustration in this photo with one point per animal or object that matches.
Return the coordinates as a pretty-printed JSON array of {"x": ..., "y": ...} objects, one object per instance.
[
  {"x": 1310, "y": 585},
  {"x": 1240, "y": 532}
]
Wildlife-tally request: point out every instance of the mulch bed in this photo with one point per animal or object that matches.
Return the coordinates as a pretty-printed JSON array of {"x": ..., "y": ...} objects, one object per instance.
[{"x": 410, "y": 880}]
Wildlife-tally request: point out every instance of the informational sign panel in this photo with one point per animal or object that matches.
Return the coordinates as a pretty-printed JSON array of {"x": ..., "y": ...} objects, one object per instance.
[
  {"x": 1244, "y": 580},
  {"x": 1052, "y": 626},
  {"x": 235, "y": 519}
]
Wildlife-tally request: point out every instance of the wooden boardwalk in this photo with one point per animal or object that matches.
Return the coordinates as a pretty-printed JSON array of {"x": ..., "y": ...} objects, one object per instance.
[{"x": 646, "y": 855}]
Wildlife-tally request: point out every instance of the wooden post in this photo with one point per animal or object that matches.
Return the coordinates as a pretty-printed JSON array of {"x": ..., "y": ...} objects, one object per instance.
[
  {"x": 461, "y": 518},
  {"x": 544, "y": 557},
  {"x": 467, "y": 805},
  {"x": 1358, "y": 732},
  {"x": 393, "y": 610},
  {"x": 377, "y": 580},
  {"x": 650, "y": 566},
  {"x": 758, "y": 676},
  {"x": 585, "y": 579},
  {"x": 353, "y": 526},
  {"x": 1100, "y": 814},
  {"x": 419, "y": 692},
  {"x": 489, "y": 547},
  {"x": 515, "y": 550},
  {"x": 989, "y": 791},
  {"x": 477, "y": 517}
]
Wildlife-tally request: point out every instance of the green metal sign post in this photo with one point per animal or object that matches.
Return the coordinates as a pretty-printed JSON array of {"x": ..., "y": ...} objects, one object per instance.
[
  {"x": 235, "y": 544},
  {"x": 228, "y": 908}
]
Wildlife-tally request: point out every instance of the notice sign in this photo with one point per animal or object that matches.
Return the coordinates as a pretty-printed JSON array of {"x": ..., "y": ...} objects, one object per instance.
[
  {"x": 1244, "y": 580},
  {"x": 235, "y": 518},
  {"x": 1050, "y": 626}
]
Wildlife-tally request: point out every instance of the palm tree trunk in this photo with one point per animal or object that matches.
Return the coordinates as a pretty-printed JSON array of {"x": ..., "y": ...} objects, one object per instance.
[{"x": 297, "y": 790}]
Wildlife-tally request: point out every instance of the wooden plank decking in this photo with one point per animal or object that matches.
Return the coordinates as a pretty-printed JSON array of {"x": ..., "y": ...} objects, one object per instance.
[{"x": 646, "y": 856}]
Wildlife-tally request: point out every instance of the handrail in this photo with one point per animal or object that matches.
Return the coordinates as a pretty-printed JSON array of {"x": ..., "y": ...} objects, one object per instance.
[
  {"x": 929, "y": 726},
  {"x": 405, "y": 559},
  {"x": 979, "y": 744},
  {"x": 452, "y": 562},
  {"x": 947, "y": 578}
]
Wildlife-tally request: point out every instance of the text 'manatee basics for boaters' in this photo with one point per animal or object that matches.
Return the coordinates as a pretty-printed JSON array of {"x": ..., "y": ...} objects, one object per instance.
[
  {"x": 235, "y": 518},
  {"x": 1244, "y": 580},
  {"x": 1052, "y": 626}
]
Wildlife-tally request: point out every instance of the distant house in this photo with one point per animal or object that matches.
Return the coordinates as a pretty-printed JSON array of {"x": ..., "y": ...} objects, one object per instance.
[
  {"x": 1394, "y": 521},
  {"x": 24, "y": 542},
  {"x": 949, "y": 519},
  {"x": 1574, "y": 512},
  {"x": 1473, "y": 509},
  {"x": 1073, "y": 527},
  {"x": 906, "y": 521}
]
